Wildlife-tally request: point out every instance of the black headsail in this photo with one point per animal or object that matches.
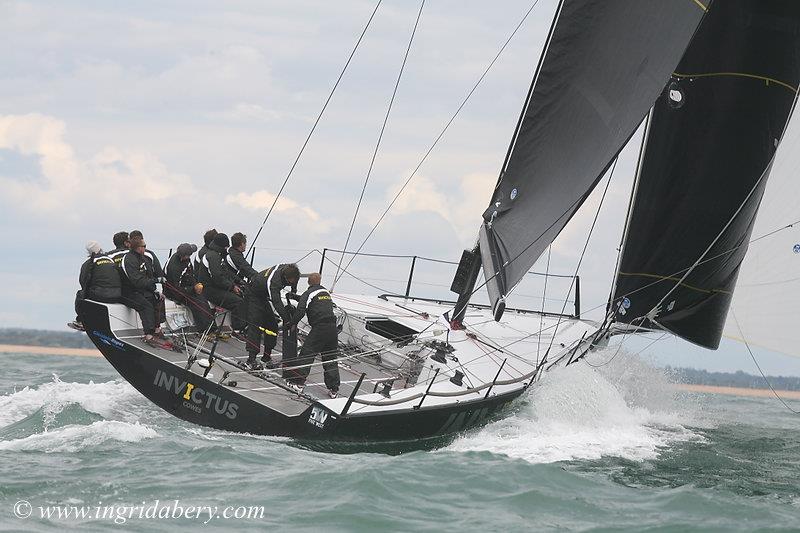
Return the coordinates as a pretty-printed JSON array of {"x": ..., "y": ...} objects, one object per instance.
[
  {"x": 604, "y": 65},
  {"x": 711, "y": 141}
]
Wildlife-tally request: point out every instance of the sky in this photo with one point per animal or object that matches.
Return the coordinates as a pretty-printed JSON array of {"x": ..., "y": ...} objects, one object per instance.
[{"x": 175, "y": 117}]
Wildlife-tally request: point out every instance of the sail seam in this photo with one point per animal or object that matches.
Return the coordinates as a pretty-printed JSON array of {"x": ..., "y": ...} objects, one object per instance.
[
  {"x": 738, "y": 74},
  {"x": 672, "y": 278}
]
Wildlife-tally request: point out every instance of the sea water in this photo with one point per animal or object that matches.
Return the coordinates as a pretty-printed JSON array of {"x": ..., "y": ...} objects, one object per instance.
[{"x": 609, "y": 447}]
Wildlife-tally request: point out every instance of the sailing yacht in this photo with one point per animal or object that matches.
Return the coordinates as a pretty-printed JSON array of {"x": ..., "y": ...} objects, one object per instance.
[{"x": 715, "y": 84}]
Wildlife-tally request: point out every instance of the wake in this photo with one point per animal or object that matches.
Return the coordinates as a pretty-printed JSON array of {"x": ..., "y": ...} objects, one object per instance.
[{"x": 626, "y": 409}]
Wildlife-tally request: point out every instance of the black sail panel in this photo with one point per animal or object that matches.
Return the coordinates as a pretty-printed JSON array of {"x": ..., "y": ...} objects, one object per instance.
[
  {"x": 711, "y": 141},
  {"x": 605, "y": 64}
]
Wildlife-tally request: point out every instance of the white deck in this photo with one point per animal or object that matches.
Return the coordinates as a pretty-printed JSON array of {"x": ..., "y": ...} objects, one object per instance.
[{"x": 479, "y": 352}]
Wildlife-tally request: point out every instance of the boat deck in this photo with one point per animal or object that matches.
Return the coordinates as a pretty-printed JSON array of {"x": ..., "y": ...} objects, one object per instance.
[{"x": 268, "y": 387}]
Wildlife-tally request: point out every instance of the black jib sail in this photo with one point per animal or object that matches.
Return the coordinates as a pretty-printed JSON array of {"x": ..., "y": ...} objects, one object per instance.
[
  {"x": 710, "y": 144},
  {"x": 604, "y": 64}
]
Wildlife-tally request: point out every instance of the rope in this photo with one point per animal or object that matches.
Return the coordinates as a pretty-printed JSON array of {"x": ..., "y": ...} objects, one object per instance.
[
  {"x": 378, "y": 143},
  {"x": 314, "y": 127},
  {"x": 752, "y": 356},
  {"x": 583, "y": 252},
  {"x": 441, "y": 134}
]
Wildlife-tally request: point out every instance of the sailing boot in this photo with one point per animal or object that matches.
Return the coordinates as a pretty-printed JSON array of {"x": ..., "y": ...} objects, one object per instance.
[
  {"x": 267, "y": 360},
  {"x": 252, "y": 364}
]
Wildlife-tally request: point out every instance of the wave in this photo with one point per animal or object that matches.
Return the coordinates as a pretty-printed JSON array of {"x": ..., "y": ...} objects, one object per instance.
[
  {"x": 624, "y": 409},
  {"x": 77, "y": 437},
  {"x": 112, "y": 399}
]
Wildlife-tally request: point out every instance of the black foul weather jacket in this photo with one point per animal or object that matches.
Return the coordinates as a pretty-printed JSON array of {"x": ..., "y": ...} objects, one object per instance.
[
  {"x": 117, "y": 254},
  {"x": 243, "y": 268},
  {"x": 317, "y": 304},
  {"x": 267, "y": 285},
  {"x": 179, "y": 275},
  {"x": 214, "y": 271},
  {"x": 100, "y": 278},
  {"x": 137, "y": 273}
]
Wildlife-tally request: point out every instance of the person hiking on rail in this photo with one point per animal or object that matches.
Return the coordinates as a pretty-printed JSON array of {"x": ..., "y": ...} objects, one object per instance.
[
  {"x": 99, "y": 280},
  {"x": 236, "y": 254},
  {"x": 220, "y": 284},
  {"x": 139, "y": 293},
  {"x": 183, "y": 287}
]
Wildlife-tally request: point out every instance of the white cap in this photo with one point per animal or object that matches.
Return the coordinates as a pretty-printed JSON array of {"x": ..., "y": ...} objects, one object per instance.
[{"x": 93, "y": 247}]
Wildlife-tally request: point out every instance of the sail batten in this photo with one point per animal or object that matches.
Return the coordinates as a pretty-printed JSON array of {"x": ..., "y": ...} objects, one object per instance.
[
  {"x": 713, "y": 138},
  {"x": 603, "y": 66}
]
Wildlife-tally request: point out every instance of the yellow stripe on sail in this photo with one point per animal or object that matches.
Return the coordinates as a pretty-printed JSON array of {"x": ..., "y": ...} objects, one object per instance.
[
  {"x": 766, "y": 79},
  {"x": 672, "y": 278}
]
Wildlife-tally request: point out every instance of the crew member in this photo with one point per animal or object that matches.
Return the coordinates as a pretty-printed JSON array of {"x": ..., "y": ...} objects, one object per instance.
[
  {"x": 236, "y": 253},
  {"x": 317, "y": 305},
  {"x": 182, "y": 286},
  {"x": 151, "y": 256},
  {"x": 208, "y": 237},
  {"x": 121, "y": 245},
  {"x": 219, "y": 283},
  {"x": 139, "y": 291},
  {"x": 98, "y": 279},
  {"x": 264, "y": 306}
]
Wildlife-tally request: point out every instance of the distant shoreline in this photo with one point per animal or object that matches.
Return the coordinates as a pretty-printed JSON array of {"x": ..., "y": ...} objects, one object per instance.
[
  {"x": 738, "y": 391},
  {"x": 48, "y": 350},
  {"x": 690, "y": 387}
]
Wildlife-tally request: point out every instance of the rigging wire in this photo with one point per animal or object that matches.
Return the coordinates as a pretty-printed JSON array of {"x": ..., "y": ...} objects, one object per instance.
[
  {"x": 378, "y": 143},
  {"x": 441, "y": 133},
  {"x": 583, "y": 252},
  {"x": 752, "y": 356},
  {"x": 544, "y": 295},
  {"x": 625, "y": 226},
  {"x": 316, "y": 122}
]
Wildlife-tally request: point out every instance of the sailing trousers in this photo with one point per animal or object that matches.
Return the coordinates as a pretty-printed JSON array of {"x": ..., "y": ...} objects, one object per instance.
[
  {"x": 80, "y": 296},
  {"x": 230, "y": 301},
  {"x": 322, "y": 339},
  {"x": 148, "y": 307},
  {"x": 260, "y": 315}
]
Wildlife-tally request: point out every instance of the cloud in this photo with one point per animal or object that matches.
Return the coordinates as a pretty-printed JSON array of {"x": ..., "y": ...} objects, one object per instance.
[
  {"x": 262, "y": 200},
  {"x": 247, "y": 112},
  {"x": 67, "y": 180},
  {"x": 461, "y": 207}
]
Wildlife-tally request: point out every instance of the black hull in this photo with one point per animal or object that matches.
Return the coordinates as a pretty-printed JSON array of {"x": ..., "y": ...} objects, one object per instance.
[{"x": 209, "y": 404}]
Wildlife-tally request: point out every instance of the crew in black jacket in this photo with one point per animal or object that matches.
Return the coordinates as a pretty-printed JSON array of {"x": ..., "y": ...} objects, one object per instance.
[
  {"x": 236, "y": 253},
  {"x": 99, "y": 280},
  {"x": 121, "y": 245},
  {"x": 149, "y": 255},
  {"x": 208, "y": 237},
  {"x": 139, "y": 290},
  {"x": 182, "y": 286},
  {"x": 264, "y": 306},
  {"x": 220, "y": 283},
  {"x": 317, "y": 305}
]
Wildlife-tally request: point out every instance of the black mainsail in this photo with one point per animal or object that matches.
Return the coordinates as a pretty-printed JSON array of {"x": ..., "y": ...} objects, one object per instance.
[
  {"x": 604, "y": 64},
  {"x": 711, "y": 141}
]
